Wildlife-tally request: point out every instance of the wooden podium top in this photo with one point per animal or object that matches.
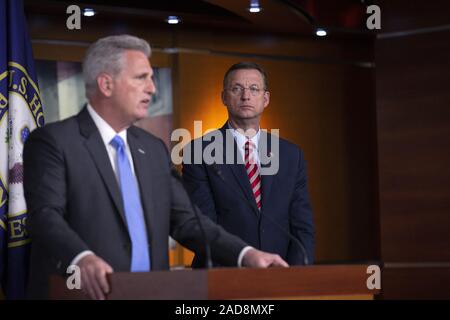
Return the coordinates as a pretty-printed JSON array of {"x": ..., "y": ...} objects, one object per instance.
[{"x": 311, "y": 282}]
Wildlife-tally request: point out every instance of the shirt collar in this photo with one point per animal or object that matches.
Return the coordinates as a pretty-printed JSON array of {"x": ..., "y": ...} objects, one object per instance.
[
  {"x": 241, "y": 139},
  {"x": 106, "y": 131}
]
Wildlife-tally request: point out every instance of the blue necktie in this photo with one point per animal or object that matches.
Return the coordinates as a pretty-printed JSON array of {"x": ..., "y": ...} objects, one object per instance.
[{"x": 140, "y": 260}]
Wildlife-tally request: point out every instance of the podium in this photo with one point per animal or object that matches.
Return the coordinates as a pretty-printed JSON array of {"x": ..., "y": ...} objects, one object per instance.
[{"x": 311, "y": 282}]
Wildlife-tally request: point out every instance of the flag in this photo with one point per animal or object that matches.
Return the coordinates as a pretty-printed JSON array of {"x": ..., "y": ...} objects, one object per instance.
[{"x": 20, "y": 112}]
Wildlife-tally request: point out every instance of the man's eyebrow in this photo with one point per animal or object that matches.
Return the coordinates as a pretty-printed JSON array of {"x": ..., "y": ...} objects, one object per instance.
[
  {"x": 241, "y": 85},
  {"x": 144, "y": 73}
]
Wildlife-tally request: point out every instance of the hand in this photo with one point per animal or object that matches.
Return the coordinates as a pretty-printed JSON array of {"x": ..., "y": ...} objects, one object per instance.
[
  {"x": 93, "y": 276},
  {"x": 259, "y": 259}
]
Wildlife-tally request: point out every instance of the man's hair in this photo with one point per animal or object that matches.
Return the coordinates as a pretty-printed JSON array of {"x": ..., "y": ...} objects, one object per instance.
[
  {"x": 106, "y": 55},
  {"x": 246, "y": 66}
]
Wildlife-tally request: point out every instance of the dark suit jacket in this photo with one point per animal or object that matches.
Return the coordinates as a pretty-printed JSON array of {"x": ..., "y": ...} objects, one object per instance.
[
  {"x": 229, "y": 200},
  {"x": 74, "y": 202}
]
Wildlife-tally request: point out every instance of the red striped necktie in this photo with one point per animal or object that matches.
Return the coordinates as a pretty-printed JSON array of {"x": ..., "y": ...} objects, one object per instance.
[{"x": 251, "y": 165}]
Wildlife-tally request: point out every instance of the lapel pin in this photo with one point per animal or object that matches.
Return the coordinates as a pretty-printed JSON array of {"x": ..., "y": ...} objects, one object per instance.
[{"x": 141, "y": 151}]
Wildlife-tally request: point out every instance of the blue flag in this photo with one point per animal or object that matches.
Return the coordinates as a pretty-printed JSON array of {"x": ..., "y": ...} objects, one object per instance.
[{"x": 20, "y": 113}]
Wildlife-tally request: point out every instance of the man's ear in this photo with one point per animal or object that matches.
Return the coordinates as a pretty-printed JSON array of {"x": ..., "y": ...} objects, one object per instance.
[
  {"x": 266, "y": 98},
  {"x": 223, "y": 98},
  {"x": 105, "y": 84}
]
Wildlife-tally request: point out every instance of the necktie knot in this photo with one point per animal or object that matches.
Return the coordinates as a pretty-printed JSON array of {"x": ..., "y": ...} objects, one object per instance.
[
  {"x": 249, "y": 146},
  {"x": 117, "y": 142}
]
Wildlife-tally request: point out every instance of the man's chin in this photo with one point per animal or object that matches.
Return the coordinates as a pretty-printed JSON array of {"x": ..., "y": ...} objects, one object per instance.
[
  {"x": 142, "y": 113},
  {"x": 138, "y": 117},
  {"x": 247, "y": 115}
]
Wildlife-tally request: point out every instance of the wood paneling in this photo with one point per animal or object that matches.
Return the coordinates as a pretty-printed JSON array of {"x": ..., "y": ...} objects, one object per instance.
[
  {"x": 406, "y": 15},
  {"x": 312, "y": 282},
  {"x": 295, "y": 282},
  {"x": 413, "y": 128},
  {"x": 412, "y": 282},
  {"x": 414, "y": 138}
]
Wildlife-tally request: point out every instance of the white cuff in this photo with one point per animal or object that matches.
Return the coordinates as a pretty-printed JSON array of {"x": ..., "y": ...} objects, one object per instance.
[
  {"x": 80, "y": 256},
  {"x": 242, "y": 254}
]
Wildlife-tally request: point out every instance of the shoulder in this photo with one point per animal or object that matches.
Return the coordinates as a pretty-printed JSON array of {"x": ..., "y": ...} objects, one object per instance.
[
  {"x": 147, "y": 138},
  {"x": 50, "y": 141},
  {"x": 57, "y": 131},
  {"x": 290, "y": 146},
  {"x": 285, "y": 146}
]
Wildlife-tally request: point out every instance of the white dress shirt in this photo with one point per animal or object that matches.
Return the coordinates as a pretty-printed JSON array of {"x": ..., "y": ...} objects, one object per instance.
[
  {"x": 242, "y": 139},
  {"x": 107, "y": 133}
]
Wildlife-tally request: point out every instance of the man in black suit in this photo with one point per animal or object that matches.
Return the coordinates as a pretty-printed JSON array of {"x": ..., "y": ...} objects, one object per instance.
[
  {"x": 258, "y": 189},
  {"x": 99, "y": 190}
]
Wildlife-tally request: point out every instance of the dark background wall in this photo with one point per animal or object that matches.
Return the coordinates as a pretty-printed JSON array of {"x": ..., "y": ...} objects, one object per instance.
[{"x": 413, "y": 131}]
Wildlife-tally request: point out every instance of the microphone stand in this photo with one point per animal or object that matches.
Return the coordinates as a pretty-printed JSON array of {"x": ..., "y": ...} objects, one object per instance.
[{"x": 208, "y": 262}]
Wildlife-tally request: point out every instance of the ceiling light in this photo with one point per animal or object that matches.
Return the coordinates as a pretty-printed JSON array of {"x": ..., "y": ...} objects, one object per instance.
[
  {"x": 88, "y": 12},
  {"x": 254, "y": 10},
  {"x": 321, "y": 32},
  {"x": 254, "y": 6},
  {"x": 173, "y": 20}
]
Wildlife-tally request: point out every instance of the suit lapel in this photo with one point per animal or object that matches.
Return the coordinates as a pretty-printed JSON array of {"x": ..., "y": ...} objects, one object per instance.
[
  {"x": 266, "y": 180},
  {"x": 97, "y": 150},
  {"x": 143, "y": 166},
  {"x": 241, "y": 177},
  {"x": 238, "y": 171}
]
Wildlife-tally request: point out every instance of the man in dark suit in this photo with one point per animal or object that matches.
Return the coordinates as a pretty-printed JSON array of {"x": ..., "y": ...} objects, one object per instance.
[
  {"x": 261, "y": 194},
  {"x": 99, "y": 190}
]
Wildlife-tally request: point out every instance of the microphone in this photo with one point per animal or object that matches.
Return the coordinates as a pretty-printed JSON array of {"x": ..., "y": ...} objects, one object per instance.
[
  {"x": 208, "y": 262},
  {"x": 284, "y": 231}
]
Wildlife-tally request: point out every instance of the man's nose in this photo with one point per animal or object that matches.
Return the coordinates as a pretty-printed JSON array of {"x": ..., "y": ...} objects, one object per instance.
[
  {"x": 245, "y": 94},
  {"x": 150, "y": 88}
]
